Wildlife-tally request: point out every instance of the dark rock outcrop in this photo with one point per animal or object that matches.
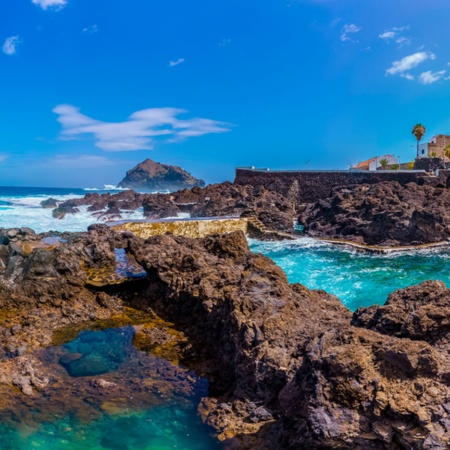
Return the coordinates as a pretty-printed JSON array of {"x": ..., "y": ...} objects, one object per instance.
[
  {"x": 153, "y": 176},
  {"x": 288, "y": 367},
  {"x": 382, "y": 214},
  {"x": 224, "y": 199}
]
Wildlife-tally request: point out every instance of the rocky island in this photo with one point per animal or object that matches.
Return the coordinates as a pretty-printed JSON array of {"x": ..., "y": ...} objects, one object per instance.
[{"x": 154, "y": 176}]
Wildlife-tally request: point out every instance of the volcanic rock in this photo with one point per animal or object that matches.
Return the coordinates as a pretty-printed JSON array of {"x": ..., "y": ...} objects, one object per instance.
[
  {"x": 153, "y": 176},
  {"x": 383, "y": 214},
  {"x": 288, "y": 368},
  {"x": 225, "y": 199}
]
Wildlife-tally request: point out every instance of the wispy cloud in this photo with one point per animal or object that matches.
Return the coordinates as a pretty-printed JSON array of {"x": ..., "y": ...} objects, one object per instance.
[
  {"x": 10, "y": 45},
  {"x": 139, "y": 131},
  {"x": 395, "y": 35},
  {"x": 429, "y": 77},
  {"x": 177, "y": 62},
  {"x": 3, "y": 156},
  {"x": 91, "y": 30},
  {"x": 409, "y": 62},
  {"x": 45, "y": 4},
  {"x": 407, "y": 76},
  {"x": 349, "y": 29}
]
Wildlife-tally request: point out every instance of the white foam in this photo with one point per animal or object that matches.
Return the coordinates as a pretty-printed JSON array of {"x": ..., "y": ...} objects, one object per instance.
[{"x": 27, "y": 212}]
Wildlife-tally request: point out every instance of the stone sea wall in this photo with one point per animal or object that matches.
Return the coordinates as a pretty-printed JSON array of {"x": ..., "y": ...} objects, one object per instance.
[
  {"x": 310, "y": 186},
  {"x": 186, "y": 228}
]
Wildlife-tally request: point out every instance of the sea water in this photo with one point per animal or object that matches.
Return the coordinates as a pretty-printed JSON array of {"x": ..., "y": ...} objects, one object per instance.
[
  {"x": 166, "y": 425},
  {"x": 357, "y": 279},
  {"x": 21, "y": 207}
]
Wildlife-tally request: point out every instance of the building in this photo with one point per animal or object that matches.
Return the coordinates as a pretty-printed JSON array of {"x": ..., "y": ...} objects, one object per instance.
[
  {"x": 374, "y": 163},
  {"x": 435, "y": 147}
]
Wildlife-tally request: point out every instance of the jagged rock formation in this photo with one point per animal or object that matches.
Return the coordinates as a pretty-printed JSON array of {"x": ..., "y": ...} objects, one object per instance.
[
  {"x": 224, "y": 199},
  {"x": 288, "y": 367},
  {"x": 382, "y": 214},
  {"x": 153, "y": 176}
]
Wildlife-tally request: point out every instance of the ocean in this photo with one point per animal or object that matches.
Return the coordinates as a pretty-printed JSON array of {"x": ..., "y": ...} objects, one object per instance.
[{"x": 20, "y": 207}]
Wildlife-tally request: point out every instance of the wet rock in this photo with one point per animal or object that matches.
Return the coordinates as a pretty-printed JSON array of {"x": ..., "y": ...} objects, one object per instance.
[{"x": 49, "y": 203}]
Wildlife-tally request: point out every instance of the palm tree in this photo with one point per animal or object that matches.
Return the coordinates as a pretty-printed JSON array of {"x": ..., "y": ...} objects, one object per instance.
[
  {"x": 383, "y": 163},
  {"x": 418, "y": 131}
]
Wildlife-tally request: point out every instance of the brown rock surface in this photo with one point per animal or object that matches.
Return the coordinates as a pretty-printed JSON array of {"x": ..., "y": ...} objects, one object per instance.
[
  {"x": 154, "y": 176},
  {"x": 387, "y": 213},
  {"x": 288, "y": 368},
  {"x": 224, "y": 199}
]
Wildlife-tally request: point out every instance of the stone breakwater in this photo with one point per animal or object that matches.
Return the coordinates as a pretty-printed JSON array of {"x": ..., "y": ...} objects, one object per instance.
[
  {"x": 289, "y": 368},
  {"x": 200, "y": 228},
  {"x": 188, "y": 228}
]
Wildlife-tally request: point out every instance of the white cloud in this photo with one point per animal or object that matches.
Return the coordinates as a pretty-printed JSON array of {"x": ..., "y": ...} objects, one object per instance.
[
  {"x": 408, "y": 76},
  {"x": 409, "y": 62},
  {"x": 429, "y": 77},
  {"x": 402, "y": 41},
  {"x": 139, "y": 131},
  {"x": 395, "y": 34},
  {"x": 349, "y": 29},
  {"x": 45, "y": 4},
  {"x": 91, "y": 30},
  {"x": 387, "y": 35},
  {"x": 10, "y": 45},
  {"x": 175, "y": 63}
]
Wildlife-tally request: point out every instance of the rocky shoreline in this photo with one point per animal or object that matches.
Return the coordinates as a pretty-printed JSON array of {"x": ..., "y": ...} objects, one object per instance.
[
  {"x": 384, "y": 214},
  {"x": 288, "y": 367},
  {"x": 216, "y": 200}
]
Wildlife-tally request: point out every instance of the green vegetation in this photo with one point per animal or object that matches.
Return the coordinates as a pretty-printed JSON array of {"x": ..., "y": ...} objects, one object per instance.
[
  {"x": 418, "y": 131},
  {"x": 384, "y": 163},
  {"x": 410, "y": 165},
  {"x": 394, "y": 166}
]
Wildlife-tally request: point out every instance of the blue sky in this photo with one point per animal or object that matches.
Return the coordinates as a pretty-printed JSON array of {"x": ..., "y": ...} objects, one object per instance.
[{"x": 89, "y": 88}]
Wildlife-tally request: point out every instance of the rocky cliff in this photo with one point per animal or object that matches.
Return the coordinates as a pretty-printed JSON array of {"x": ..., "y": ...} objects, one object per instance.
[
  {"x": 289, "y": 368},
  {"x": 387, "y": 213},
  {"x": 153, "y": 176}
]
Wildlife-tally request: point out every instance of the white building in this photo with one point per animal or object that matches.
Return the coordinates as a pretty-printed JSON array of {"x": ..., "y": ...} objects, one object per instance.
[{"x": 374, "y": 163}]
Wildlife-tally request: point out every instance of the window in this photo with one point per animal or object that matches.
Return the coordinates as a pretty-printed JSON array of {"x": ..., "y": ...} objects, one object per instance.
[{"x": 423, "y": 151}]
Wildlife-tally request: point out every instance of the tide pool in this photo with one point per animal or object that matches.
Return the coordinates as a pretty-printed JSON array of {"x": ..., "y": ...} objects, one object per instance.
[
  {"x": 103, "y": 393},
  {"x": 358, "y": 279}
]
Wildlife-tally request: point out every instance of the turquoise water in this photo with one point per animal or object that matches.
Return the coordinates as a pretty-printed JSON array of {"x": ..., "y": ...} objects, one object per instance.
[
  {"x": 160, "y": 428},
  {"x": 148, "y": 404},
  {"x": 358, "y": 279}
]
